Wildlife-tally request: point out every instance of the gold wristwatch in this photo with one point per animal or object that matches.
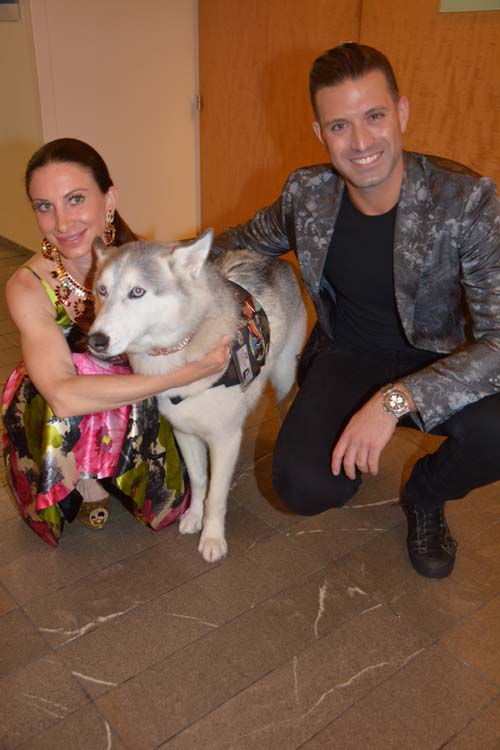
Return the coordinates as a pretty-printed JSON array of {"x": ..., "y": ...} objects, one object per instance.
[{"x": 394, "y": 401}]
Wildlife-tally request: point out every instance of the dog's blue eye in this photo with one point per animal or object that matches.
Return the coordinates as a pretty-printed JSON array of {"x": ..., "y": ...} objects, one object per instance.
[
  {"x": 137, "y": 291},
  {"x": 101, "y": 290}
]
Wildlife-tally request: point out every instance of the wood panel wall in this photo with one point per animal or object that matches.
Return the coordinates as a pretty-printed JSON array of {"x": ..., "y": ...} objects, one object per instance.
[
  {"x": 448, "y": 64},
  {"x": 256, "y": 119},
  {"x": 254, "y": 64}
]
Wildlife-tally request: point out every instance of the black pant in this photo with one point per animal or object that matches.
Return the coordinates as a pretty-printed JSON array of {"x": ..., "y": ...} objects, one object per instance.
[{"x": 338, "y": 383}]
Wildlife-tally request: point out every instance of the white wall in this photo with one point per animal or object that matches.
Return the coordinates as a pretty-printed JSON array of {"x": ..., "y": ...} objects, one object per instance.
[
  {"x": 20, "y": 127},
  {"x": 122, "y": 75}
]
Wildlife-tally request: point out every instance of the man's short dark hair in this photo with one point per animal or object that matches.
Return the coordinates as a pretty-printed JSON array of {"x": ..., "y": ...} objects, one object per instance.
[{"x": 347, "y": 62}]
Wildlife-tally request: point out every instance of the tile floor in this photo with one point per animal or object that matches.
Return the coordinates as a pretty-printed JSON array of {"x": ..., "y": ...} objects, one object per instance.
[{"x": 314, "y": 633}]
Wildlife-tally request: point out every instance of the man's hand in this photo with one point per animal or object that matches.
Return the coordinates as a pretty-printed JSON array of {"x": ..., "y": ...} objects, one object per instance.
[{"x": 363, "y": 440}]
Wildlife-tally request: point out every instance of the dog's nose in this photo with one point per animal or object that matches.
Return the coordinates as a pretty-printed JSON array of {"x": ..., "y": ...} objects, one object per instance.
[{"x": 98, "y": 341}]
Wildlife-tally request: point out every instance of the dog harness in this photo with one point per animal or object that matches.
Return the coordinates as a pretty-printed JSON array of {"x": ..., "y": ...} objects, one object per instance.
[{"x": 251, "y": 345}]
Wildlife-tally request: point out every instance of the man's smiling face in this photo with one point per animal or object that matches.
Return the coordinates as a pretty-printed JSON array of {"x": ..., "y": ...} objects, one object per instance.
[{"x": 361, "y": 126}]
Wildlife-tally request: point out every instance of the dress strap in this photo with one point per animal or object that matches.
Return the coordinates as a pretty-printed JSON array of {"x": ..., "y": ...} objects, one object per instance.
[
  {"x": 62, "y": 317},
  {"x": 46, "y": 286},
  {"x": 32, "y": 271}
]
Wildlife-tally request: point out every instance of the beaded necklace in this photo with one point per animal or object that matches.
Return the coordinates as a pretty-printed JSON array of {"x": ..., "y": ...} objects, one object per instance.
[{"x": 82, "y": 303}]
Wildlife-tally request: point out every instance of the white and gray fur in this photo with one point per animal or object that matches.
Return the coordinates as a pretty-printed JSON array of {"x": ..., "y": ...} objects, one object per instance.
[{"x": 151, "y": 295}]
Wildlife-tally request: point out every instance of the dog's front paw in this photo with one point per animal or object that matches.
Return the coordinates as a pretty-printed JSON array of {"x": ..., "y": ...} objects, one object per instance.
[
  {"x": 212, "y": 548},
  {"x": 190, "y": 523}
]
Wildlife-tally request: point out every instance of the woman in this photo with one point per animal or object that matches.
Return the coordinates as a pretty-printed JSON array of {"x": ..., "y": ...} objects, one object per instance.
[{"x": 69, "y": 419}]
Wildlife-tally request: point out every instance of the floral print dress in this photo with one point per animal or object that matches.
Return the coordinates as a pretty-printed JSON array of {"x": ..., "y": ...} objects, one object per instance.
[{"x": 132, "y": 448}]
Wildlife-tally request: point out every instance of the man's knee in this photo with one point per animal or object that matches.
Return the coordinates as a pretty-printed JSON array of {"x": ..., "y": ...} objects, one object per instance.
[{"x": 308, "y": 493}]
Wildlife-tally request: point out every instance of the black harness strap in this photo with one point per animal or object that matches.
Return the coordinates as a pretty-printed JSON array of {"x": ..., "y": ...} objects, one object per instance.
[{"x": 252, "y": 340}]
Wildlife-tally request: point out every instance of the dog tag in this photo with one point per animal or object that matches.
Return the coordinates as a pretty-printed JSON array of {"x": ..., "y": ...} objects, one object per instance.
[{"x": 243, "y": 366}]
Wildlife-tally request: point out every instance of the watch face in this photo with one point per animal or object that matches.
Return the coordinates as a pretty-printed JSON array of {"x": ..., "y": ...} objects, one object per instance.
[{"x": 395, "y": 403}]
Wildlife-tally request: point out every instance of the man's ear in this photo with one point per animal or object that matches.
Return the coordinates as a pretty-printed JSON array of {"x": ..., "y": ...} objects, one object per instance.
[
  {"x": 403, "y": 112},
  {"x": 318, "y": 132}
]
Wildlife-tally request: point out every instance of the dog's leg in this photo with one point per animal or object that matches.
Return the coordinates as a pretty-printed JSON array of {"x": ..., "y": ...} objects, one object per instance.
[
  {"x": 194, "y": 452},
  {"x": 223, "y": 456}
]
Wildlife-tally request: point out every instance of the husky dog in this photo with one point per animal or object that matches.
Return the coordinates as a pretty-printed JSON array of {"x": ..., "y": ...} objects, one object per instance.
[{"x": 167, "y": 304}]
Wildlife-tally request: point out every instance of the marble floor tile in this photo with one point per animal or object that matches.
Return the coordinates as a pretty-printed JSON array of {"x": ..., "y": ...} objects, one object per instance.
[
  {"x": 312, "y": 687},
  {"x": 476, "y": 640},
  {"x": 34, "y": 698}
]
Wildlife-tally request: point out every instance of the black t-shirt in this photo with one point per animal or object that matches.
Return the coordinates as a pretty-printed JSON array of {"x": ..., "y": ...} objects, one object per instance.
[{"x": 359, "y": 267}]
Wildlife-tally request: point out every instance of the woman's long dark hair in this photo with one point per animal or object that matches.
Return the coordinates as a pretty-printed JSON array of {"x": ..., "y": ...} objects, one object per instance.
[{"x": 73, "y": 151}]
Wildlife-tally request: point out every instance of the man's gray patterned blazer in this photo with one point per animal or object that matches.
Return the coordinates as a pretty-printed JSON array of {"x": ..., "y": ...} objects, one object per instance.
[{"x": 446, "y": 269}]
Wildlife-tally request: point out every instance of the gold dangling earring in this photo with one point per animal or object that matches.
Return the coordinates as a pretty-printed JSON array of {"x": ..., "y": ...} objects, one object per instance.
[
  {"x": 48, "y": 250},
  {"x": 109, "y": 233}
]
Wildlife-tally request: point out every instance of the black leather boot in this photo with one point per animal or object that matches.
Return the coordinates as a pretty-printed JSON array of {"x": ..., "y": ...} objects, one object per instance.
[{"x": 430, "y": 545}]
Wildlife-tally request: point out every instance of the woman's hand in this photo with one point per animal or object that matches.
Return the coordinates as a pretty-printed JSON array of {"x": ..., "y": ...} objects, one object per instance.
[
  {"x": 216, "y": 359},
  {"x": 211, "y": 363}
]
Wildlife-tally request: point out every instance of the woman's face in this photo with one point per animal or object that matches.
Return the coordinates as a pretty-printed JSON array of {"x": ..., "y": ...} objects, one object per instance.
[{"x": 69, "y": 206}]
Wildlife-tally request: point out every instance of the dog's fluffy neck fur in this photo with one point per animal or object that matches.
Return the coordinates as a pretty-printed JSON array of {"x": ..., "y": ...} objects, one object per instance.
[{"x": 219, "y": 316}]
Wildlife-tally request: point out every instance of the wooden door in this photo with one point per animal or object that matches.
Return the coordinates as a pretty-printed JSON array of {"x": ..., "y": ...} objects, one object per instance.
[
  {"x": 448, "y": 64},
  {"x": 255, "y": 124}
]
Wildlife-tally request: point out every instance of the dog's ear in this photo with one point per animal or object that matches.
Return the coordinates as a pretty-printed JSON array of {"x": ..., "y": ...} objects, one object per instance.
[
  {"x": 100, "y": 248},
  {"x": 191, "y": 258}
]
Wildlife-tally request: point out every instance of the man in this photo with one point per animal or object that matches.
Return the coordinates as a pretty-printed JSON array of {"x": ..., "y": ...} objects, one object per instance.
[{"x": 401, "y": 255}]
